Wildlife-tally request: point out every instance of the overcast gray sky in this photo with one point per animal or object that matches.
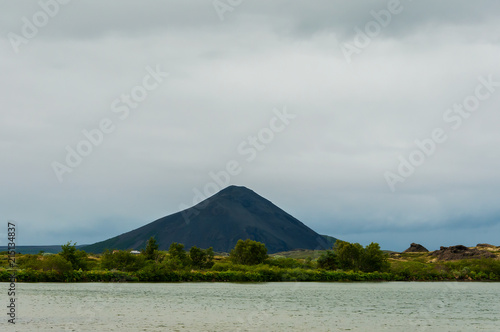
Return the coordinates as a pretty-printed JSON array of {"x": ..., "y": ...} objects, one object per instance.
[{"x": 315, "y": 105}]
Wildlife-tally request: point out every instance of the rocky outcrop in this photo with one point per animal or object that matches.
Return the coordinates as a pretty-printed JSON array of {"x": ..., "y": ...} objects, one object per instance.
[
  {"x": 415, "y": 247},
  {"x": 486, "y": 246},
  {"x": 460, "y": 252}
]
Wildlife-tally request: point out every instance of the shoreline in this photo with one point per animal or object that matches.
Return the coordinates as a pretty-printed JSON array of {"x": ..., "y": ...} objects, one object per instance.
[{"x": 263, "y": 276}]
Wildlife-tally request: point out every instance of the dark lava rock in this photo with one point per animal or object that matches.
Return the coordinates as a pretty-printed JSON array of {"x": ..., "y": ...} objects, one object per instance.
[
  {"x": 485, "y": 245},
  {"x": 460, "y": 252},
  {"x": 415, "y": 247}
]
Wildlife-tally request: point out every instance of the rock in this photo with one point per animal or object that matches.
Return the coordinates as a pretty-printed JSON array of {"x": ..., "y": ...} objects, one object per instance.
[
  {"x": 415, "y": 247},
  {"x": 485, "y": 245},
  {"x": 460, "y": 252}
]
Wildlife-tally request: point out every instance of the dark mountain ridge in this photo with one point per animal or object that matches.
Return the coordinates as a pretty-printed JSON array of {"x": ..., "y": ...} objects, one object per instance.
[{"x": 220, "y": 221}]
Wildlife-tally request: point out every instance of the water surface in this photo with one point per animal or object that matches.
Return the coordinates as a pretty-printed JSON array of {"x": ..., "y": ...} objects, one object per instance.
[{"x": 390, "y": 306}]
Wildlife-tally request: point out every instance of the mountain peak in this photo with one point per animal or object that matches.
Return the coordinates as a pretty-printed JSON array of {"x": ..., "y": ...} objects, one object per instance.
[
  {"x": 233, "y": 189},
  {"x": 237, "y": 191},
  {"x": 234, "y": 213}
]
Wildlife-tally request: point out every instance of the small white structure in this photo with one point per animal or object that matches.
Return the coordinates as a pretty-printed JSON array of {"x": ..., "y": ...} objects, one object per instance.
[{"x": 135, "y": 252}]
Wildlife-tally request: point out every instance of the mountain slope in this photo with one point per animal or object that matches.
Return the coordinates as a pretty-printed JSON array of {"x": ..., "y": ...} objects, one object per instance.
[{"x": 219, "y": 222}]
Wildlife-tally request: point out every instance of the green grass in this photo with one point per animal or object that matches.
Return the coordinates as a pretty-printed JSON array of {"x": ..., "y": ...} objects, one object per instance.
[
  {"x": 470, "y": 269},
  {"x": 298, "y": 265},
  {"x": 300, "y": 254}
]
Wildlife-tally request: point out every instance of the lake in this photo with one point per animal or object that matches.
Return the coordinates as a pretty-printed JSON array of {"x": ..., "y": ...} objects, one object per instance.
[{"x": 389, "y": 306}]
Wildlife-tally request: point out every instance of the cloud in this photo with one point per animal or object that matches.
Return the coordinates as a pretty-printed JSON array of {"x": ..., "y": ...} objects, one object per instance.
[{"x": 327, "y": 167}]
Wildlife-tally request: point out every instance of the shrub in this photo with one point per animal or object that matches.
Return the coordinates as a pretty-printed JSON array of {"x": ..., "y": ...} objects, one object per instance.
[
  {"x": 177, "y": 252},
  {"x": 28, "y": 261},
  {"x": 151, "y": 251},
  {"x": 373, "y": 259},
  {"x": 284, "y": 262},
  {"x": 248, "y": 252},
  {"x": 56, "y": 263},
  {"x": 328, "y": 261},
  {"x": 77, "y": 258},
  {"x": 348, "y": 255},
  {"x": 352, "y": 256},
  {"x": 201, "y": 259},
  {"x": 122, "y": 260}
]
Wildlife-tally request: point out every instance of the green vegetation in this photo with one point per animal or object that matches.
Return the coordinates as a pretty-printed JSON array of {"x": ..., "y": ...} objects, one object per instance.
[
  {"x": 328, "y": 261},
  {"x": 122, "y": 261},
  {"x": 177, "y": 255},
  {"x": 77, "y": 258},
  {"x": 151, "y": 251},
  {"x": 201, "y": 259},
  {"x": 50, "y": 263},
  {"x": 352, "y": 256},
  {"x": 248, "y": 252},
  {"x": 248, "y": 261},
  {"x": 418, "y": 266}
]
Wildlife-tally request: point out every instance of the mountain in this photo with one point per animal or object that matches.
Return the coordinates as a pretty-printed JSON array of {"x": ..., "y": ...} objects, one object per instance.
[
  {"x": 330, "y": 239},
  {"x": 220, "y": 221}
]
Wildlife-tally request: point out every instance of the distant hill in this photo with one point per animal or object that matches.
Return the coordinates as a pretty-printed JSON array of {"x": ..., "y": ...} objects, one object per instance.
[
  {"x": 219, "y": 222},
  {"x": 50, "y": 249},
  {"x": 331, "y": 240}
]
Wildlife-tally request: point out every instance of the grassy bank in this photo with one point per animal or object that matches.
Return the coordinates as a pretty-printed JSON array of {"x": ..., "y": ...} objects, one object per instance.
[
  {"x": 259, "y": 275},
  {"x": 409, "y": 271},
  {"x": 421, "y": 266}
]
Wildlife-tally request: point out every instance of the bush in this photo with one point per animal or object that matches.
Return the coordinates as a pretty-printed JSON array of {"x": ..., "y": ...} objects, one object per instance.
[
  {"x": 176, "y": 252},
  {"x": 77, "y": 258},
  {"x": 348, "y": 255},
  {"x": 373, "y": 259},
  {"x": 283, "y": 262},
  {"x": 33, "y": 262},
  {"x": 201, "y": 259},
  {"x": 230, "y": 267},
  {"x": 328, "y": 261},
  {"x": 248, "y": 252},
  {"x": 151, "y": 251},
  {"x": 352, "y": 256},
  {"x": 44, "y": 263},
  {"x": 122, "y": 260},
  {"x": 56, "y": 263}
]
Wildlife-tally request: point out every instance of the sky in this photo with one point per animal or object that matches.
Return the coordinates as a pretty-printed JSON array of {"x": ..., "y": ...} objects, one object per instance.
[{"x": 369, "y": 121}]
